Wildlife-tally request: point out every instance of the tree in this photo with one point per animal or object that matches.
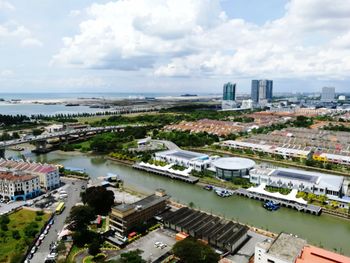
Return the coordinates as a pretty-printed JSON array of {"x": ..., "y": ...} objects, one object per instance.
[
  {"x": 15, "y": 234},
  {"x": 94, "y": 248},
  {"x": 191, "y": 250},
  {"x": 133, "y": 256},
  {"x": 80, "y": 217},
  {"x": 37, "y": 132},
  {"x": 99, "y": 199}
]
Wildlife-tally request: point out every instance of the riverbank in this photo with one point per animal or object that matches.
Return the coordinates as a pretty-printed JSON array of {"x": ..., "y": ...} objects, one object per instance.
[
  {"x": 317, "y": 230},
  {"x": 280, "y": 163}
]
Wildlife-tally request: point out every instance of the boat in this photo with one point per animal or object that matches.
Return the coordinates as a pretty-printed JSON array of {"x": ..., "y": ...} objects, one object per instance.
[
  {"x": 223, "y": 192},
  {"x": 72, "y": 104},
  {"x": 271, "y": 206},
  {"x": 208, "y": 187}
]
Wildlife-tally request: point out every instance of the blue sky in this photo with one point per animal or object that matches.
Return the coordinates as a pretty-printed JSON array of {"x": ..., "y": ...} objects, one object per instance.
[{"x": 173, "y": 45}]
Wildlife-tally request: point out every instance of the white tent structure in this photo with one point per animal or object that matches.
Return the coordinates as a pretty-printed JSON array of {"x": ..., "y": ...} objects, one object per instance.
[{"x": 291, "y": 197}]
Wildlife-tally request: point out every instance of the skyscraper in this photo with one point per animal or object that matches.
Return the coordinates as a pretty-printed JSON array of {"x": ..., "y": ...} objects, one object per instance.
[
  {"x": 328, "y": 94},
  {"x": 262, "y": 90},
  {"x": 229, "y": 92}
]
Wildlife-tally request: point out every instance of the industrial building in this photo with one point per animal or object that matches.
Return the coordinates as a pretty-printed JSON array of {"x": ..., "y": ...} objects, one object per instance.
[
  {"x": 312, "y": 182},
  {"x": 18, "y": 186},
  {"x": 287, "y": 248},
  {"x": 231, "y": 167},
  {"x": 48, "y": 174},
  {"x": 124, "y": 217},
  {"x": 217, "y": 232},
  {"x": 198, "y": 161}
]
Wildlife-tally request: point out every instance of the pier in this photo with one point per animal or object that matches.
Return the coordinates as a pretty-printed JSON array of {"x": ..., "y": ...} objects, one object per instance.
[
  {"x": 188, "y": 179},
  {"x": 307, "y": 208}
]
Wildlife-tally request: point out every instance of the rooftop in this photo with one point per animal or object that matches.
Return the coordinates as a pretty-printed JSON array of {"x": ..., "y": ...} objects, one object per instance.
[
  {"x": 188, "y": 155},
  {"x": 319, "y": 255},
  {"x": 9, "y": 176},
  {"x": 287, "y": 247},
  {"x": 234, "y": 163},
  {"x": 144, "y": 203},
  {"x": 295, "y": 175}
]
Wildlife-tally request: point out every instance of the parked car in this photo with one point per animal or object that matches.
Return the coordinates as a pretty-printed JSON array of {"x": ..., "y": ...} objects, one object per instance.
[{"x": 33, "y": 250}]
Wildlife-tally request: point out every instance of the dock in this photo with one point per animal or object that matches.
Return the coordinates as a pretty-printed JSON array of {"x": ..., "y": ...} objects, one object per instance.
[
  {"x": 307, "y": 208},
  {"x": 188, "y": 179}
]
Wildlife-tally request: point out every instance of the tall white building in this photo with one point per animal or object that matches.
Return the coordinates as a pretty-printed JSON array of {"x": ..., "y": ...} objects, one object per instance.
[{"x": 328, "y": 94}]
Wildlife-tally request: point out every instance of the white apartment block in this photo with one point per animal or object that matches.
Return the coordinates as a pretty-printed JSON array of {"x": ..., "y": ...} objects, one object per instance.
[
  {"x": 48, "y": 174},
  {"x": 18, "y": 186}
]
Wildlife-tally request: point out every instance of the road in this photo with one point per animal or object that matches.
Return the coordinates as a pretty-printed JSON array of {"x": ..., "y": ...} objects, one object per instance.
[{"x": 73, "y": 192}]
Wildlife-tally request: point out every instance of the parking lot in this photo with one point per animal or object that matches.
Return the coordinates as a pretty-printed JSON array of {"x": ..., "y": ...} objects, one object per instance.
[{"x": 148, "y": 244}]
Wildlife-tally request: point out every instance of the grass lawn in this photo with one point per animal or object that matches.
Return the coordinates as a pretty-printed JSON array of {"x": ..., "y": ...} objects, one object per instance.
[{"x": 9, "y": 247}]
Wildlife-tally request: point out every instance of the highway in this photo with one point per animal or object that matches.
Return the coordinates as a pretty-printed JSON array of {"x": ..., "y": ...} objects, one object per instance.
[{"x": 51, "y": 135}]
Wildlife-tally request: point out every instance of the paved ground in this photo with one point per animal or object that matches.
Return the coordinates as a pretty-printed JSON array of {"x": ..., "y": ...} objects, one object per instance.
[
  {"x": 243, "y": 255},
  {"x": 73, "y": 192},
  {"x": 146, "y": 244}
]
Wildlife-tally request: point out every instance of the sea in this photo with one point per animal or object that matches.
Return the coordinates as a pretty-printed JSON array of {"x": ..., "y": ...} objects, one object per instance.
[{"x": 24, "y": 103}]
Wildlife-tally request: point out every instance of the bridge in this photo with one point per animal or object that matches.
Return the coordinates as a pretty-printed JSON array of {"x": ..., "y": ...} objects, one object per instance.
[{"x": 41, "y": 141}]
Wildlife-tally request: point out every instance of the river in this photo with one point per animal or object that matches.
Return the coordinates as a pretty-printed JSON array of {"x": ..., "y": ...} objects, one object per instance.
[{"x": 324, "y": 231}]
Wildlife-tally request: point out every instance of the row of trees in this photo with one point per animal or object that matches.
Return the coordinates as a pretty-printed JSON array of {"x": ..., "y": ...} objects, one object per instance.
[
  {"x": 13, "y": 119},
  {"x": 187, "y": 139}
]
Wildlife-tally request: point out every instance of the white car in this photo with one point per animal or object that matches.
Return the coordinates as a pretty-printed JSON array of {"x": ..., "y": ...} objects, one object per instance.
[
  {"x": 42, "y": 236},
  {"x": 157, "y": 244},
  {"x": 33, "y": 250}
]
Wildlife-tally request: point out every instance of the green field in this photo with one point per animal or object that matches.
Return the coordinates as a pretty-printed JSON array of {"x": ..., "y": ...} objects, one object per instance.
[{"x": 13, "y": 245}]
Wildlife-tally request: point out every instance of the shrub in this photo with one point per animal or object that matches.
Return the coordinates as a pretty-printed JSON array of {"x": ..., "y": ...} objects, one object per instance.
[
  {"x": 38, "y": 218},
  {"x": 4, "y": 227},
  {"x": 40, "y": 213},
  {"x": 15, "y": 234}
]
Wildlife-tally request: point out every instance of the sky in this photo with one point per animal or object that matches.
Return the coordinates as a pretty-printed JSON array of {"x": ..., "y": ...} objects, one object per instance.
[{"x": 173, "y": 45}]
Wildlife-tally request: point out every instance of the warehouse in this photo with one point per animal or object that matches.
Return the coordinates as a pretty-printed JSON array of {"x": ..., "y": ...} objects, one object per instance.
[{"x": 215, "y": 231}]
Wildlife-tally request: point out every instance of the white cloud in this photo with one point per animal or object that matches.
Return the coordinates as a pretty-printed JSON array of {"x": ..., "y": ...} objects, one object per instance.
[
  {"x": 6, "y": 5},
  {"x": 6, "y": 73},
  {"x": 196, "y": 38},
  {"x": 74, "y": 13},
  {"x": 79, "y": 82},
  {"x": 13, "y": 30},
  {"x": 31, "y": 42}
]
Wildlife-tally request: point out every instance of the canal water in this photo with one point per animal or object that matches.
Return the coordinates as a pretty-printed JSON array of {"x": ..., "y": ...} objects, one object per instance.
[{"x": 324, "y": 231}]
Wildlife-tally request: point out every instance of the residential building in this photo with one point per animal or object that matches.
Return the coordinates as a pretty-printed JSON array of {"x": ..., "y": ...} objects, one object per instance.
[
  {"x": 48, "y": 174},
  {"x": 125, "y": 217},
  {"x": 18, "y": 186},
  {"x": 328, "y": 94},
  {"x": 262, "y": 90},
  {"x": 311, "y": 182},
  {"x": 198, "y": 161},
  {"x": 247, "y": 104}
]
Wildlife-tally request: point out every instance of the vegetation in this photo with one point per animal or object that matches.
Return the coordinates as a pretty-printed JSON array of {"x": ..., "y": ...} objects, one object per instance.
[
  {"x": 178, "y": 167},
  {"x": 13, "y": 119},
  {"x": 133, "y": 256},
  {"x": 191, "y": 250},
  {"x": 65, "y": 172},
  {"x": 187, "y": 139},
  {"x": 280, "y": 190},
  {"x": 157, "y": 162},
  {"x": 21, "y": 229},
  {"x": 99, "y": 199},
  {"x": 341, "y": 127}
]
